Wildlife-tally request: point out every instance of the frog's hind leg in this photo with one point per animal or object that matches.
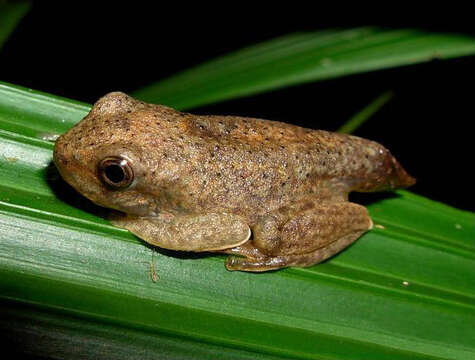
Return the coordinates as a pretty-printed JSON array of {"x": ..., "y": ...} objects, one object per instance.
[
  {"x": 277, "y": 262},
  {"x": 309, "y": 237}
]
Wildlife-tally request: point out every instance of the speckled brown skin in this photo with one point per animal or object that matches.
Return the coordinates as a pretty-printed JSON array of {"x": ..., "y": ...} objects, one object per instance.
[{"x": 202, "y": 182}]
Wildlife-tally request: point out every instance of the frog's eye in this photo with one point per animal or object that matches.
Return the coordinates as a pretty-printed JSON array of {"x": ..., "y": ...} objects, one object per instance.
[{"x": 116, "y": 172}]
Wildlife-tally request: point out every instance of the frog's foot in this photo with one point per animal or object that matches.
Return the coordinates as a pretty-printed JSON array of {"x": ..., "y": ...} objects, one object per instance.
[
  {"x": 247, "y": 250},
  {"x": 277, "y": 262},
  {"x": 308, "y": 236}
]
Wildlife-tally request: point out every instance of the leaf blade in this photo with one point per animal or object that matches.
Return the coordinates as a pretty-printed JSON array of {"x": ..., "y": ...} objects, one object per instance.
[
  {"x": 302, "y": 58},
  {"x": 364, "y": 114},
  {"x": 57, "y": 257},
  {"x": 10, "y": 15}
]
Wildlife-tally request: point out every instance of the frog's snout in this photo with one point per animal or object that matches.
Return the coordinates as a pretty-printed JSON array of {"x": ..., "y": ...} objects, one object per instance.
[
  {"x": 63, "y": 157},
  {"x": 60, "y": 158},
  {"x": 72, "y": 171}
]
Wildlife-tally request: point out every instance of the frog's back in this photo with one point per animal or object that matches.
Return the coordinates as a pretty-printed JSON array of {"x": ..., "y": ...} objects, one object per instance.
[
  {"x": 304, "y": 155},
  {"x": 285, "y": 153}
]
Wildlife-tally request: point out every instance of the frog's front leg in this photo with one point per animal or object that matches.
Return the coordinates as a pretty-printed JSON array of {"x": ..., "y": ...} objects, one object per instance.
[
  {"x": 309, "y": 236},
  {"x": 187, "y": 232}
]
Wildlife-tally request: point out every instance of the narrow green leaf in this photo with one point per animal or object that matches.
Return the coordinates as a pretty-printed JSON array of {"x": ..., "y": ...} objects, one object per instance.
[
  {"x": 10, "y": 15},
  {"x": 359, "y": 118},
  {"x": 73, "y": 286},
  {"x": 301, "y": 58}
]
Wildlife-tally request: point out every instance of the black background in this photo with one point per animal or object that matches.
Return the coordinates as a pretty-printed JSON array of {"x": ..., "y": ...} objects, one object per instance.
[{"x": 82, "y": 52}]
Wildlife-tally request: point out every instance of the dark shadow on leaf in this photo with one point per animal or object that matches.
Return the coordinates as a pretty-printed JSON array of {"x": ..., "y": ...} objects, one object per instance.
[{"x": 179, "y": 254}]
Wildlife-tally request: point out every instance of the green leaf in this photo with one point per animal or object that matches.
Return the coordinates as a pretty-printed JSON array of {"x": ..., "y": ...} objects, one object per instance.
[
  {"x": 10, "y": 15},
  {"x": 302, "y": 58},
  {"x": 364, "y": 114},
  {"x": 73, "y": 286}
]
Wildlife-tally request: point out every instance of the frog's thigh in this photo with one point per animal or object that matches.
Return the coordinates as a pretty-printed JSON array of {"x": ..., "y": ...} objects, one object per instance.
[
  {"x": 188, "y": 232},
  {"x": 322, "y": 225},
  {"x": 311, "y": 237}
]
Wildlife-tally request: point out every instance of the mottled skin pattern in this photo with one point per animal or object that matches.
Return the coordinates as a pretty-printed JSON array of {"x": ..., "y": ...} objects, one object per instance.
[{"x": 202, "y": 183}]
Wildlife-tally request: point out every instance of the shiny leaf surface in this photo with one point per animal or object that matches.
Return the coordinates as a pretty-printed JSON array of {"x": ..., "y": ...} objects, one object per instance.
[{"x": 74, "y": 286}]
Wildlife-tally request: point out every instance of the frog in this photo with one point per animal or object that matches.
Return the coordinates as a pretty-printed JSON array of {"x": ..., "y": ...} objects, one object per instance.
[{"x": 268, "y": 194}]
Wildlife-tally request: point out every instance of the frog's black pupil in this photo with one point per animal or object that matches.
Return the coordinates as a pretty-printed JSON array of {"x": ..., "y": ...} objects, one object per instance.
[{"x": 114, "y": 173}]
